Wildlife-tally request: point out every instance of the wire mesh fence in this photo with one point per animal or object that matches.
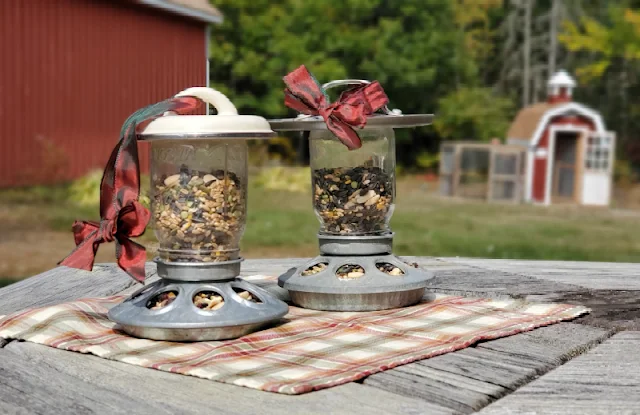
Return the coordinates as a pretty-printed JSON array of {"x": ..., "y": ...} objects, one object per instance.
[{"x": 482, "y": 171}]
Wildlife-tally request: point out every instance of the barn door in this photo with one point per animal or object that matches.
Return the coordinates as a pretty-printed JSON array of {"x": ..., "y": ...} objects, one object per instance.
[
  {"x": 564, "y": 168},
  {"x": 505, "y": 175},
  {"x": 599, "y": 158}
]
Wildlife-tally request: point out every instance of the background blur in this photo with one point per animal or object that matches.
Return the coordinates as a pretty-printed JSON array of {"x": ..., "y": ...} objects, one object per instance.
[{"x": 71, "y": 71}]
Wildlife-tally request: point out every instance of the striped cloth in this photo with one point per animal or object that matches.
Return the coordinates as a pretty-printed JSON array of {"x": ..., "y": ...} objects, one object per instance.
[{"x": 311, "y": 350}]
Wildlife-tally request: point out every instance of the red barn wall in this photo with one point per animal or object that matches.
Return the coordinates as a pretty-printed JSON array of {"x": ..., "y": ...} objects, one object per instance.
[
  {"x": 540, "y": 165},
  {"x": 71, "y": 72}
]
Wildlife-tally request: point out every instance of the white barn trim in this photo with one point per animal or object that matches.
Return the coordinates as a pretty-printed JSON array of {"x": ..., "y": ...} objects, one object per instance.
[{"x": 560, "y": 110}]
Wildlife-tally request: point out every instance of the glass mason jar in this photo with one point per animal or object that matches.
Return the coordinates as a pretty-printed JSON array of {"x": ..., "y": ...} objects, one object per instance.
[
  {"x": 199, "y": 198},
  {"x": 199, "y": 172},
  {"x": 353, "y": 190}
]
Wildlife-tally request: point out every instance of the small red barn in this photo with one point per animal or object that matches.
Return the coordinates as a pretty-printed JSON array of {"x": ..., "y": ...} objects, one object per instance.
[
  {"x": 71, "y": 72},
  {"x": 570, "y": 154}
]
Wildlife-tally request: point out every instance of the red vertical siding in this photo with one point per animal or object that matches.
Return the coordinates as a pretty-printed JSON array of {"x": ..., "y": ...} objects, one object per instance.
[
  {"x": 539, "y": 185},
  {"x": 71, "y": 71},
  {"x": 540, "y": 169}
]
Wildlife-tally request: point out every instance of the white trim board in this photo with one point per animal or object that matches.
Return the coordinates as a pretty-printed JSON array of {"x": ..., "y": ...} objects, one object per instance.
[
  {"x": 542, "y": 125},
  {"x": 181, "y": 10},
  {"x": 561, "y": 110},
  {"x": 583, "y": 132}
]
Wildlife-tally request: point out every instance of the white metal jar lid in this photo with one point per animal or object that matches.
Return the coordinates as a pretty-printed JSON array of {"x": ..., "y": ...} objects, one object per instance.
[{"x": 226, "y": 124}]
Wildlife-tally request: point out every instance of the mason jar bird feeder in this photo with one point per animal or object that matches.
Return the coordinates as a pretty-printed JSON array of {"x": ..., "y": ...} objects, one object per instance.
[
  {"x": 353, "y": 194},
  {"x": 198, "y": 211}
]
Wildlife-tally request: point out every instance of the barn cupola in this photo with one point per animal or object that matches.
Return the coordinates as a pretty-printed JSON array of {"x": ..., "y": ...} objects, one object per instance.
[{"x": 560, "y": 87}]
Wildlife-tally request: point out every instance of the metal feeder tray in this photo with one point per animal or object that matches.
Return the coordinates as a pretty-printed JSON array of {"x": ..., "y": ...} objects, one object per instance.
[
  {"x": 375, "y": 290},
  {"x": 182, "y": 321}
]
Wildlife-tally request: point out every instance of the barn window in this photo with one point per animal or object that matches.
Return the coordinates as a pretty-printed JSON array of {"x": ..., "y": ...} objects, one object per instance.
[{"x": 598, "y": 148}]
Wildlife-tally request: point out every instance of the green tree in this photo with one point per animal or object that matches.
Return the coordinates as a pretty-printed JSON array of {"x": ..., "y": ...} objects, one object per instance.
[
  {"x": 619, "y": 40},
  {"x": 406, "y": 45},
  {"x": 473, "y": 113},
  {"x": 475, "y": 21},
  {"x": 607, "y": 51}
]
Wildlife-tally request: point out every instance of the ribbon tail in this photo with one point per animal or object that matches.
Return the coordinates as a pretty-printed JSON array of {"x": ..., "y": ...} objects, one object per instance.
[
  {"x": 121, "y": 179},
  {"x": 133, "y": 219},
  {"x": 131, "y": 258},
  {"x": 303, "y": 87},
  {"x": 293, "y": 102},
  {"x": 344, "y": 133},
  {"x": 372, "y": 96},
  {"x": 84, "y": 255}
]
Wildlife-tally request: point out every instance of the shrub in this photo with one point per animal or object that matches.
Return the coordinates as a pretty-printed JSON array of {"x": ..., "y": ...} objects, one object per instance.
[
  {"x": 85, "y": 191},
  {"x": 291, "y": 179}
]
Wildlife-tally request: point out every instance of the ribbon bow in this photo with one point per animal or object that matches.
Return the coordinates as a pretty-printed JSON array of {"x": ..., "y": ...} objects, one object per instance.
[
  {"x": 305, "y": 95},
  {"x": 122, "y": 216}
]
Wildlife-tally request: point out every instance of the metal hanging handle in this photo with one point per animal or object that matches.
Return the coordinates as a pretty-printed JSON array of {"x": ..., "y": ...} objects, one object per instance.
[
  {"x": 215, "y": 98},
  {"x": 210, "y": 96},
  {"x": 341, "y": 82}
]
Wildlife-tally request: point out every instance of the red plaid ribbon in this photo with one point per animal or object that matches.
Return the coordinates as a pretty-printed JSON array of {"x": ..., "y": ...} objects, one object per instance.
[
  {"x": 122, "y": 216},
  {"x": 305, "y": 95}
]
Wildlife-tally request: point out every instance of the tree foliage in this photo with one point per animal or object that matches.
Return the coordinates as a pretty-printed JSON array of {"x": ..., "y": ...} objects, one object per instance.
[
  {"x": 619, "y": 40},
  {"x": 473, "y": 113},
  {"x": 606, "y": 48},
  {"x": 474, "y": 20},
  {"x": 464, "y": 60},
  {"x": 405, "y": 45}
]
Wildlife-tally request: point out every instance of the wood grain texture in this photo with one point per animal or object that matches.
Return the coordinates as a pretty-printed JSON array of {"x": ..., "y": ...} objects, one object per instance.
[
  {"x": 605, "y": 380},
  {"x": 270, "y": 267},
  {"x": 56, "y": 381},
  {"x": 592, "y": 275},
  {"x": 38, "y": 379},
  {"x": 611, "y": 309},
  {"x": 64, "y": 284},
  {"x": 619, "y": 310},
  {"x": 468, "y": 380},
  {"x": 479, "y": 282}
]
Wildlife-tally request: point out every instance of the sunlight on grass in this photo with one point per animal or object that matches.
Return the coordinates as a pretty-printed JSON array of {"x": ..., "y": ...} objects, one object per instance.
[
  {"x": 282, "y": 224},
  {"x": 426, "y": 224}
]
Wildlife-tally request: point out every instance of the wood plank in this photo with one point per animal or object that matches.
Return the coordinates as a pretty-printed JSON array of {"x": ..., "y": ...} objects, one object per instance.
[
  {"x": 51, "y": 381},
  {"x": 605, "y": 380},
  {"x": 270, "y": 267},
  {"x": 495, "y": 284},
  {"x": 454, "y": 383},
  {"x": 592, "y": 275},
  {"x": 619, "y": 310},
  {"x": 611, "y": 309},
  {"x": 65, "y": 284},
  {"x": 467, "y": 380}
]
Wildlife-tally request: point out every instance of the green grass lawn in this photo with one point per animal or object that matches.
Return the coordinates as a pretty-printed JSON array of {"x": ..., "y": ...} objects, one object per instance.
[
  {"x": 282, "y": 224},
  {"x": 426, "y": 224}
]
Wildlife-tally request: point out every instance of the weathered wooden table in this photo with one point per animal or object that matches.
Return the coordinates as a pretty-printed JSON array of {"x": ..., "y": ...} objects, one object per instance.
[{"x": 588, "y": 366}]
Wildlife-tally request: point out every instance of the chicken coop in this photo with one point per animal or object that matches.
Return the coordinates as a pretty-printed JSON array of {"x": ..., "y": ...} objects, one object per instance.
[
  {"x": 491, "y": 172},
  {"x": 557, "y": 151}
]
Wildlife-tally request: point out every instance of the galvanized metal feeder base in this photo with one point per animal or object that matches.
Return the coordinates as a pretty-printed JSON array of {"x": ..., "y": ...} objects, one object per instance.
[
  {"x": 182, "y": 321},
  {"x": 375, "y": 290}
]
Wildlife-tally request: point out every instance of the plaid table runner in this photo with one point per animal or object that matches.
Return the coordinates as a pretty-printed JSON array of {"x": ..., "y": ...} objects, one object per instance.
[{"x": 310, "y": 350}]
